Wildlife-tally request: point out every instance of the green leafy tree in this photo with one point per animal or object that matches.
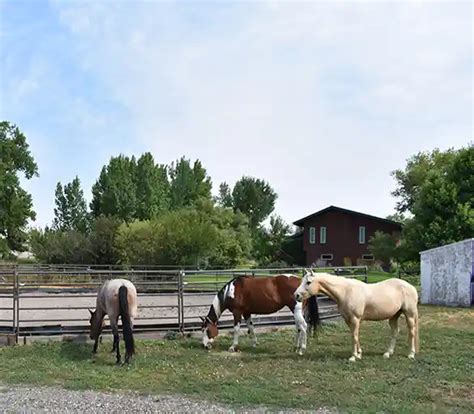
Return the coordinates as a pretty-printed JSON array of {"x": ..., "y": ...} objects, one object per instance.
[
  {"x": 51, "y": 246},
  {"x": 115, "y": 191},
  {"x": 71, "y": 208},
  {"x": 383, "y": 246},
  {"x": 255, "y": 198},
  {"x": 102, "y": 240},
  {"x": 441, "y": 203},
  {"x": 224, "y": 198},
  {"x": 153, "y": 188},
  {"x": 199, "y": 235},
  {"x": 411, "y": 179},
  {"x": 268, "y": 242},
  {"x": 16, "y": 206},
  {"x": 188, "y": 184}
]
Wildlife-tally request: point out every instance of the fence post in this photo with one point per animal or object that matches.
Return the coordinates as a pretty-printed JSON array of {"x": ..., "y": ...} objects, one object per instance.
[
  {"x": 181, "y": 275},
  {"x": 16, "y": 304}
]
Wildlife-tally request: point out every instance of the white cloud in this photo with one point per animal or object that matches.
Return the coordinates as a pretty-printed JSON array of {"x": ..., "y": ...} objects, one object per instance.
[{"x": 321, "y": 99}]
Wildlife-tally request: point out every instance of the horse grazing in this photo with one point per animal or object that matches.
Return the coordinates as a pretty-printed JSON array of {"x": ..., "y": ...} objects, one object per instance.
[
  {"x": 117, "y": 297},
  {"x": 359, "y": 301},
  {"x": 246, "y": 295}
]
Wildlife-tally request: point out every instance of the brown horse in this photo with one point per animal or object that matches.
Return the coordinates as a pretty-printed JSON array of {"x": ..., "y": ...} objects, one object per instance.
[
  {"x": 117, "y": 297},
  {"x": 245, "y": 295}
]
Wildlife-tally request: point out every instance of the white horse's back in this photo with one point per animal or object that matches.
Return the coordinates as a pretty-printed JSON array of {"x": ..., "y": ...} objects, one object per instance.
[{"x": 385, "y": 299}]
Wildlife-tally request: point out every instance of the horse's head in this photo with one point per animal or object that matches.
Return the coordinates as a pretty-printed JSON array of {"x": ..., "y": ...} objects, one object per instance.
[
  {"x": 309, "y": 286},
  {"x": 96, "y": 325},
  {"x": 209, "y": 332}
]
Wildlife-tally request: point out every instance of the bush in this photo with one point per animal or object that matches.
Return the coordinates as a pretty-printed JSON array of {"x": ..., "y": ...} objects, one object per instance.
[
  {"x": 211, "y": 235},
  {"x": 61, "y": 247}
]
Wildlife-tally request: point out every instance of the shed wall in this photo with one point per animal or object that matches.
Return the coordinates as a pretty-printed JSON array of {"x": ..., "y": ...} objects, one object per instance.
[{"x": 446, "y": 274}]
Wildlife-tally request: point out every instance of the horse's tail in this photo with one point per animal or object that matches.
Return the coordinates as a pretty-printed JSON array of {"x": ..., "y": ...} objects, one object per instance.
[
  {"x": 311, "y": 314},
  {"x": 417, "y": 334},
  {"x": 126, "y": 321}
]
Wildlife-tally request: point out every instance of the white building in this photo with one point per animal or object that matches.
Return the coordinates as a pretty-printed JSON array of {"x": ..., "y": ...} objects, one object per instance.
[{"x": 447, "y": 274}]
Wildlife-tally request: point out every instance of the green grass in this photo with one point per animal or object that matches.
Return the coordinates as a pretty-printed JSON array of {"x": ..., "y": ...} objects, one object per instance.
[{"x": 272, "y": 375}]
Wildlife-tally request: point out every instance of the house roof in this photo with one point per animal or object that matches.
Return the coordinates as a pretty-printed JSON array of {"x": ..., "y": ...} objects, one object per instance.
[{"x": 301, "y": 221}]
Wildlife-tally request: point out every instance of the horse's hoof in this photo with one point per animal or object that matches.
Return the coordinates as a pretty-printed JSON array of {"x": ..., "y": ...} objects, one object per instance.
[
  {"x": 411, "y": 356},
  {"x": 387, "y": 355},
  {"x": 352, "y": 358},
  {"x": 300, "y": 352},
  {"x": 359, "y": 356},
  {"x": 233, "y": 349}
]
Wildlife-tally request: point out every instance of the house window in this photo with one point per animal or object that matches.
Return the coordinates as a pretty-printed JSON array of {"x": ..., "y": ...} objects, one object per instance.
[
  {"x": 312, "y": 235},
  {"x": 362, "y": 235},
  {"x": 326, "y": 256},
  {"x": 368, "y": 257},
  {"x": 322, "y": 235}
]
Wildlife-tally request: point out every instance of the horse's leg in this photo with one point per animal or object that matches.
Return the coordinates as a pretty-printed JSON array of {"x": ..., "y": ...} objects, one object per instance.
[
  {"x": 394, "y": 327},
  {"x": 301, "y": 327},
  {"x": 251, "y": 329},
  {"x": 96, "y": 344},
  {"x": 115, "y": 332},
  {"x": 354, "y": 325},
  {"x": 411, "y": 325},
  {"x": 235, "y": 343}
]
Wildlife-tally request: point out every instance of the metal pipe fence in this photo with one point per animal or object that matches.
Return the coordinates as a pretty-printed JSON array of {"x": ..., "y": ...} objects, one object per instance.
[{"x": 53, "y": 299}]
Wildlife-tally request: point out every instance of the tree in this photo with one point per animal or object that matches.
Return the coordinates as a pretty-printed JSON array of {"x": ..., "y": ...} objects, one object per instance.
[
  {"x": 16, "y": 206},
  {"x": 224, "y": 198},
  {"x": 52, "y": 246},
  {"x": 153, "y": 188},
  {"x": 268, "y": 242},
  {"x": 188, "y": 184},
  {"x": 254, "y": 198},
  {"x": 411, "y": 179},
  {"x": 438, "y": 190},
  {"x": 115, "y": 192},
  {"x": 102, "y": 240},
  {"x": 199, "y": 235},
  {"x": 71, "y": 208},
  {"x": 383, "y": 246}
]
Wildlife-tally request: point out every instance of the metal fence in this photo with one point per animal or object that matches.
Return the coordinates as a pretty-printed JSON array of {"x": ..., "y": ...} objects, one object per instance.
[{"x": 53, "y": 300}]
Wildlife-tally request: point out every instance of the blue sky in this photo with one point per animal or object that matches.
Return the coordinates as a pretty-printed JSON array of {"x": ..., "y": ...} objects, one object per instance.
[{"x": 322, "y": 99}]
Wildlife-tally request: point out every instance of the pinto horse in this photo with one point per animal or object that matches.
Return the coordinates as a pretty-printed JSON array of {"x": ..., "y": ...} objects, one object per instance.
[
  {"x": 246, "y": 295},
  {"x": 117, "y": 297},
  {"x": 359, "y": 301}
]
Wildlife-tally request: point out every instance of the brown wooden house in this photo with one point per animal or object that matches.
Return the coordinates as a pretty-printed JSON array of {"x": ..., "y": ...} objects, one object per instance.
[{"x": 335, "y": 236}]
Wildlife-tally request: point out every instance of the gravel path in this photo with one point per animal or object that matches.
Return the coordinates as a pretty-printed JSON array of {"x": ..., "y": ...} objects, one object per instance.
[{"x": 22, "y": 399}]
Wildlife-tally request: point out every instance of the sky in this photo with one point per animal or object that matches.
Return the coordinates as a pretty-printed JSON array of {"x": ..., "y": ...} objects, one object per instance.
[{"x": 321, "y": 99}]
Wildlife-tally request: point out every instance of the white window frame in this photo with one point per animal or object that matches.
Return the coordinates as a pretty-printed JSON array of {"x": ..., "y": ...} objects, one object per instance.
[
  {"x": 362, "y": 234},
  {"x": 364, "y": 257},
  {"x": 327, "y": 258},
  {"x": 312, "y": 235},
  {"x": 323, "y": 231}
]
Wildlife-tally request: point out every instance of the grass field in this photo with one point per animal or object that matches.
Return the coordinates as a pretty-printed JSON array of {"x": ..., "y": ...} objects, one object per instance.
[{"x": 271, "y": 375}]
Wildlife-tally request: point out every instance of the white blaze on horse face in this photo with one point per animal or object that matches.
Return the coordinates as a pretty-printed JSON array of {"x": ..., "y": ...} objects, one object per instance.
[
  {"x": 205, "y": 339},
  {"x": 302, "y": 291}
]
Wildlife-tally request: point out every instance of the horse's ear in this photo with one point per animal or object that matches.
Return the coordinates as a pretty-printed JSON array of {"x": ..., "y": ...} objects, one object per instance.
[
  {"x": 202, "y": 318},
  {"x": 90, "y": 312}
]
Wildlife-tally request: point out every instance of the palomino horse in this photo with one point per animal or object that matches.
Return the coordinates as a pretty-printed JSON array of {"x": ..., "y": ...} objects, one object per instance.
[
  {"x": 117, "y": 297},
  {"x": 245, "y": 295},
  {"x": 359, "y": 301}
]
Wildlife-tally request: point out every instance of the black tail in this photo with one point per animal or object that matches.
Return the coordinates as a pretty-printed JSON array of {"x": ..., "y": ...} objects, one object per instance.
[
  {"x": 126, "y": 322},
  {"x": 311, "y": 314}
]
